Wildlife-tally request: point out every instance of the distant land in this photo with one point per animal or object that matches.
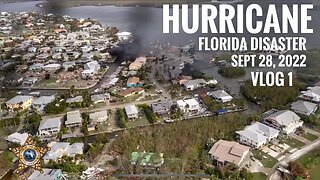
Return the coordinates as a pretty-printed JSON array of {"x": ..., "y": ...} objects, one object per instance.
[{"x": 74, "y": 3}]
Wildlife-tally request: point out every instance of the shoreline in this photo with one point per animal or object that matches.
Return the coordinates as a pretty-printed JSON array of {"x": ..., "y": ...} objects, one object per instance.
[{"x": 118, "y": 3}]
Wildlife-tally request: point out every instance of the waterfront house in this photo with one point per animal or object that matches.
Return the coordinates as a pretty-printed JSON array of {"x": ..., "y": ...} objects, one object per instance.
[
  {"x": 94, "y": 65},
  {"x": 91, "y": 69},
  {"x": 74, "y": 119},
  {"x": 304, "y": 107},
  {"x": 220, "y": 95},
  {"x": 257, "y": 134},
  {"x": 98, "y": 117},
  {"x": 40, "y": 103},
  {"x": 124, "y": 35},
  {"x": 190, "y": 106},
  {"x": 162, "y": 107},
  {"x": 13, "y": 79},
  {"x": 49, "y": 127},
  {"x": 87, "y": 74},
  {"x": 134, "y": 82},
  {"x": 311, "y": 94},
  {"x": 131, "y": 91},
  {"x": 137, "y": 64},
  {"x": 131, "y": 112},
  {"x": 285, "y": 120},
  {"x": 18, "y": 138},
  {"x": 19, "y": 102},
  {"x": 194, "y": 84},
  {"x": 100, "y": 98},
  {"x": 29, "y": 81},
  {"x": 59, "y": 149},
  {"x": 52, "y": 67},
  {"x": 37, "y": 67},
  {"x": 75, "y": 100},
  {"x": 224, "y": 152}
]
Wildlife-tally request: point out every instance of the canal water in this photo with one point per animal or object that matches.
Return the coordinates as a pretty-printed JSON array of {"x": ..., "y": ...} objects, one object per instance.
[{"x": 146, "y": 25}]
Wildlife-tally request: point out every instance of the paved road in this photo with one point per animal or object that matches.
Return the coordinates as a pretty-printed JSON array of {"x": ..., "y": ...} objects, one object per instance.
[
  {"x": 108, "y": 107},
  {"x": 296, "y": 155}
]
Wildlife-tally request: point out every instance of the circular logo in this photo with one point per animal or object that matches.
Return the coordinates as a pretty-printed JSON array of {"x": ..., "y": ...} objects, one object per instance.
[{"x": 29, "y": 155}]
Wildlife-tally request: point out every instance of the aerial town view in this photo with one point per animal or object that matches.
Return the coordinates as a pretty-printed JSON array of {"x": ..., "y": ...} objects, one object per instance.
[{"x": 97, "y": 90}]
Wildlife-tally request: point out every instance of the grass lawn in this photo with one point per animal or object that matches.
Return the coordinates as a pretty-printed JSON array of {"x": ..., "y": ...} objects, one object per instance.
[
  {"x": 259, "y": 176},
  {"x": 314, "y": 172},
  {"x": 292, "y": 142},
  {"x": 142, "y": 120},
  {"x": 50, "y": 80},
  {"x": 267, "y": 160},
  {"x": 309, "y": 136},
  {"x": 311, "y": 162}
]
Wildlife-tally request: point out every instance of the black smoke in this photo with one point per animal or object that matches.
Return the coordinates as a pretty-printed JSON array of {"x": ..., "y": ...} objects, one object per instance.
[{"x": 54, "y": 7}]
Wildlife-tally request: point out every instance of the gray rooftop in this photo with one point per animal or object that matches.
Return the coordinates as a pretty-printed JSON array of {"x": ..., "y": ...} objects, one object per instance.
[
  {"x": 131, "y": 109},
  {"x": 19, "y": 99},
  {"x": 160, "y": 106},
  {"x": 73, "y": 117},
  {"x": 75, "y": 99},
  {"x": 258, "y": 132},
  {"x": 195, "y": 82},
  {"x": 219, "y": 94},
  {"x": 43, "y": 100},
  {"x": 98, "y": 115},
  {"x": 303, "y": 106},
  {"x": 284, "y": 117},
  {"x": 59, "y": 149},
  {"x": 50, "y": 123}
]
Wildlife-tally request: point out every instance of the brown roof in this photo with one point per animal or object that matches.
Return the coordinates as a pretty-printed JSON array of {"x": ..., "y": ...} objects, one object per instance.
[
  {"x": 228, "y": 151},
  {"x": 133, "y": 80},
  {"x": 130, "y": 91}
]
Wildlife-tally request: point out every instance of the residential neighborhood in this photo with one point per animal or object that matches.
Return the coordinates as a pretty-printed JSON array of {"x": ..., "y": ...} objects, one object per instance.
[{"x": 164, "y": 110}]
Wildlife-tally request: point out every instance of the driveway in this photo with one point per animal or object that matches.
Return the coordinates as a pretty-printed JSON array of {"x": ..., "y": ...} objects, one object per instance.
[
  {"x": 294, "y": 156},
  {"x": 293, "y": 135}
]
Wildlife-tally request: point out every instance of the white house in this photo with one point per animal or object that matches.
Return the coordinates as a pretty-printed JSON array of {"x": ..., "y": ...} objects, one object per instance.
[
  {"x": 49, "y": 127},
  {"x": 131, "y": 112},
  {"x": 88, "y": 73},
  {"x": 285, "y": 120},
  {"x": 74, "y": 119},
  {"x": 220, "y": 95},
  {"x": 90, "y": 69},
  {"x": 77, "y": 99},
  {"x": 18, "y": 138},
  {"x": 311, "y": 94},
  {"x": 40, "y": 103},
  {"x": 304, "y": 107},
  {"x": 194, "y": 84},
  {"x": 98, "y": 117},
  {"x": 124, "y": 35},
  {"x": 190, "y": 106},
  {"x": 100, "y": 98},
  {"x": 59, "y": 149},
  {"x": 52, "y": 67},
  {"x": 257, "y": 134},
  {"x": 94, "y": 65}
]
